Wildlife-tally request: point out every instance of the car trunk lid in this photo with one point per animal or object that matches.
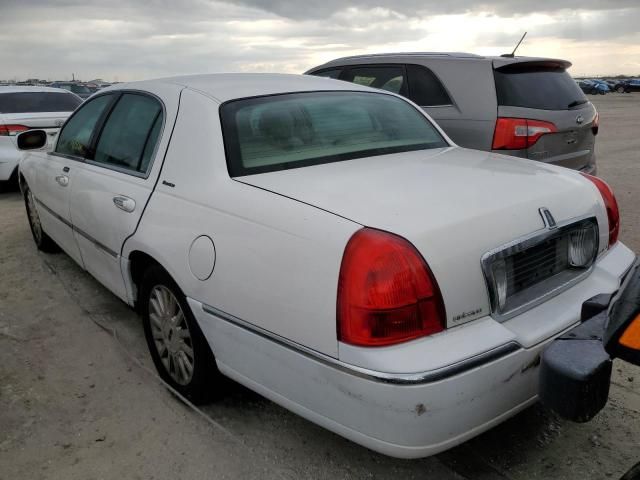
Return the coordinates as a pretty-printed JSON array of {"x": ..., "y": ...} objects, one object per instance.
[{"x": 453, "y": 204}]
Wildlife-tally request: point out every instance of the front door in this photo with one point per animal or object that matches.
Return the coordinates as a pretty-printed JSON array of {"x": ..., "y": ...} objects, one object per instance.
[{"x": 55, "y": 178}]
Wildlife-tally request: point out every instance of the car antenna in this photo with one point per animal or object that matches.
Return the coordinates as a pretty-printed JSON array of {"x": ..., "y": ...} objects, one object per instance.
[{"x": 512, "y": 54}]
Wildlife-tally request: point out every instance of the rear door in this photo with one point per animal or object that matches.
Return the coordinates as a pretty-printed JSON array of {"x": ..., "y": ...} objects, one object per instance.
[
  {"x": 544, "y": 91},
  {"x": 57, "y": 170},
  {"x": 112, "y": 187}
]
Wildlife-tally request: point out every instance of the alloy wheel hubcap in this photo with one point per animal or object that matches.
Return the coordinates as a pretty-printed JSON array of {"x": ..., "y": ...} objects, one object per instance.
[
  {"x": 34, "y": 219},
  {"x": 171, "y": 334}
]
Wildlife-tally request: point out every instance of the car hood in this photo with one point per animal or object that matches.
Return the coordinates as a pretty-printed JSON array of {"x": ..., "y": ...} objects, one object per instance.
[{"x": 453, "y": 204}]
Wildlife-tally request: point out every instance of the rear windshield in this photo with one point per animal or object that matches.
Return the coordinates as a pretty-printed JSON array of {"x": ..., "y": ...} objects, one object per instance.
[
  {"x": 33, "y": 102},
  {"x": 545, "y": 88},
  {"x": 264, "y": 134}
]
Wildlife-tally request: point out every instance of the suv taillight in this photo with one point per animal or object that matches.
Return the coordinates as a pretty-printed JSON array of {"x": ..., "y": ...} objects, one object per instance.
[
  {"x": 595, "y": 125},
  {"x": 519, "y": 133},
  {"x": 611, "y": 205},
  {"x": 386, "y": 292},
  {"x": 11, "y": 130}
]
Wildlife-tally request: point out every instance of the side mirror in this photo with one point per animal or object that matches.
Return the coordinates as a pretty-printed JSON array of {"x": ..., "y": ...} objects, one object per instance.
[{"x": 32, "y": 139}]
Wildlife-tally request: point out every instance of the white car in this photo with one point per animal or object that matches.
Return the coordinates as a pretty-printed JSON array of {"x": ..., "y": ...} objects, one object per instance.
[
  {"x": 327, "y": 246},
  {"x": 24, "y": 108}
]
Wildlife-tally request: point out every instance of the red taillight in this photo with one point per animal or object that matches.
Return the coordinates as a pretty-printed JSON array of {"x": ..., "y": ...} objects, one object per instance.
[
  {"x": 611, "y": 204},
  {"x": 595, "y": 125},
  {"x": 519, "y": 133},
  {"x": 386, "y": 292},
  {"x": 11, "y": 130}
]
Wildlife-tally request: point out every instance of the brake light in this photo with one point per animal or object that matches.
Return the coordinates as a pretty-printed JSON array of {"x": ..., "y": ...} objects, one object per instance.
[
  {"x": 519, "y": 133},
  {"x": 595, "y": 125},
  {"x": 386, "y": 292},
  {"x": 611, "y": 205},
  {"x": 11, "y": 130}
]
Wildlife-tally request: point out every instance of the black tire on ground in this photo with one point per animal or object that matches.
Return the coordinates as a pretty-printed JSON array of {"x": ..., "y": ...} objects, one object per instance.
[
  {"x": 43, "y": 241},
  {"x": 175, "y": 341},
  {"x": 593, "y": 91},
  {"x": 620, "y": 89}
]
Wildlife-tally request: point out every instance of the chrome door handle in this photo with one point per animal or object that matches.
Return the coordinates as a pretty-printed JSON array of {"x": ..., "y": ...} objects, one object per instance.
[
  {"x": 63, "y": 180},
  {"x": 124, "y": 203}
]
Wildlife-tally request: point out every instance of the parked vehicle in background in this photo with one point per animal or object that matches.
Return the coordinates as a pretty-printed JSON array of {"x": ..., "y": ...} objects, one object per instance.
[
  {"x": 81, "y": 90},
  {"x": 521, "y": 106},
  {"x": 604, "y": 86},
  {"x": 633, "y": 85},
  {"x": 24, "y": 108},
  {"x": 326, "y": 245},
  {"x": 592, "y": 87},
  {"x": 616, "y": 85}
]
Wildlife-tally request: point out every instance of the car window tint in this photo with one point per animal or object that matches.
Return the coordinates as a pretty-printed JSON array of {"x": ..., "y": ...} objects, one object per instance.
[
  {"x": 28, "y": 102},
  {"x": 387, "y": 78},
  {"x": 128, "y": 129},
  {"x": 334, "y": 73},
  {"x": 424, "y": 87},
  {"x": 75, "y": 137},
  {"x": 278, "y": 132},
  {"x": 540, "y": 87}
]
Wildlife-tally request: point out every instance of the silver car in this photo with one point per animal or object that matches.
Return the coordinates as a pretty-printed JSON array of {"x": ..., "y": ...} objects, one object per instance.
[{"x": 522, "y": 106}]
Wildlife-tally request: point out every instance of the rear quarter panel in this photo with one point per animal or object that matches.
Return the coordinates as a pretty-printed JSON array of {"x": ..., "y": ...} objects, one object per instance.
[{"x": 277, "y": 260}]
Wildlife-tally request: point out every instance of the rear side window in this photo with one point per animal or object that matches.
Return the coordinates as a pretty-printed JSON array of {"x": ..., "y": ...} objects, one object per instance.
[
  {"x": 33, "y": 102},
  {"x": 424, "y": 87},
  {"x": 278, "y": 132},
  {"x": 75, "y": 137},
  {"x": 333, "y": 73},
  {"x": 390, "y": 78},
  {"x": 130, "y": 133},
  {"x": 541, "y": 87}
]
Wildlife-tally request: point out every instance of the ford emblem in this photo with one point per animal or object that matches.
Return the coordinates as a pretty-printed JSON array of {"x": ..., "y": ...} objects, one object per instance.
[{"x": 579, "y": 119}]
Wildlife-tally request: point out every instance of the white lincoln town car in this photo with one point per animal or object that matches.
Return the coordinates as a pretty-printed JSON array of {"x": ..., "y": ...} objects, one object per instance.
[{"x": 327, "y": 246}]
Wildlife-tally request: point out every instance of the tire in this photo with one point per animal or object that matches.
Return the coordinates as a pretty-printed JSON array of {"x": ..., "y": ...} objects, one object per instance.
[
  {"x": 43, "y": 241},
  {"x": 620, "y": 90},
  {"x": 178, "y": 347},
  {"x": 593, "y": 91}
]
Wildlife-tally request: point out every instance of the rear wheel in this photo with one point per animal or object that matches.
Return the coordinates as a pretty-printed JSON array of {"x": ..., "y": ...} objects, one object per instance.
[
  {"x": 620, "y": 89},
  {"x": 178, "y": 347},
  {"x": 41, "y": 239}
]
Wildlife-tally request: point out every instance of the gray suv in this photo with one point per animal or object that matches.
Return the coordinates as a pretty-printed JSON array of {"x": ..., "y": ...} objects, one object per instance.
[{"x": 522, "y": 106}]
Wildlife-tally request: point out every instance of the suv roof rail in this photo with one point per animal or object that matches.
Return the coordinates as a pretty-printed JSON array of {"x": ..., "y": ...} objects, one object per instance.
[{"x": 427, "y": 54}]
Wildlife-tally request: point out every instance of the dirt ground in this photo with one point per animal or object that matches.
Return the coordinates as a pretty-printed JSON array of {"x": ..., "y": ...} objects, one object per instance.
[{"x": 77, "y": 402}]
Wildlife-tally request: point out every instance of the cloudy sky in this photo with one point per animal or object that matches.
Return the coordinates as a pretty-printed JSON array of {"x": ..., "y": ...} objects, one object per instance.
[{"x": 130, "y": 40}]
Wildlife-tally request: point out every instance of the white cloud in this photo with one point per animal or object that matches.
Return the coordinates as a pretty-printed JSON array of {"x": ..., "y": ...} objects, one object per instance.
[{"x": 125, "y": 40}]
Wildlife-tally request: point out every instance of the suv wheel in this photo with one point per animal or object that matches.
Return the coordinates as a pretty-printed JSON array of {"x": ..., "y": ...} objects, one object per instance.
[
  {"x": 178, "y": 347},
  {"x": 620, "y": 89}
]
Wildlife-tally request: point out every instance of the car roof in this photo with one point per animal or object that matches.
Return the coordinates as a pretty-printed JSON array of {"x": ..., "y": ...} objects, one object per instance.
[
  {"x": 498, "y": 61},
  {"x": 26, "y": 88},
  {"x": 223, "y": 87}
]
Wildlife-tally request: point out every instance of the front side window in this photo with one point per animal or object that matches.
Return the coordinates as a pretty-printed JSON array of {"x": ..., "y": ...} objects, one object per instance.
[
  {"x": 75, "y": 137},
  {"x": 389, "y": 78},
  {"x": 264, "y": 134},
  {"x": 130, "y": 133}
]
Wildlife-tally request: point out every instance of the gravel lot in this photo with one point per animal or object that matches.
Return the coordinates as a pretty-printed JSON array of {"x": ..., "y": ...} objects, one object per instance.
[{"x": 77, "y": 402}]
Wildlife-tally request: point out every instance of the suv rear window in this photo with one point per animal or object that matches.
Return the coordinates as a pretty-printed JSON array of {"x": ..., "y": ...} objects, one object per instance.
[
  {"x": 278, "y": 132},
  {"x": 534, "y": 86},
  {"x": 32, "y": 102}
]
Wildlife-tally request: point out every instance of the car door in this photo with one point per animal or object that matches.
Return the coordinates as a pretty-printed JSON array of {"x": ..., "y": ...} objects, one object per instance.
[
  {"x": 112, "y": 187},
  {"x": 55, "y": 175}
]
